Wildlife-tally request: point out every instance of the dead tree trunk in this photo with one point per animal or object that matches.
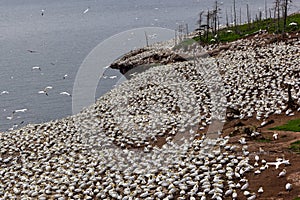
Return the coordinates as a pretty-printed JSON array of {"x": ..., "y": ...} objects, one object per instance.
[
  {"x": 207, "y": 24},
  {"x": 234, "y": 13},
  {"x": 240, "y": 16},
  {"x": 266, "y": 10},
  {"x": 146, "y": 37},
  {"x": 285, "y": 6},
  {"x": 277, "y": 10},
  {"x": 227, "y": 24},
  {"x": 248, "y": 16}
]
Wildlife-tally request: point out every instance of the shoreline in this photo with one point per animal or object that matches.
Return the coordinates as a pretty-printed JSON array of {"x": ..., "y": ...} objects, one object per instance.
[{"x": 61, "y": 159}]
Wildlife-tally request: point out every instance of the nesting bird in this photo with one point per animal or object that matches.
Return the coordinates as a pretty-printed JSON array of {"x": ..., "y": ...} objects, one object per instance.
[
  {"x": 260, "y": 190},
  {"x": 275, "y": 136},
  {"x": 288, "y": 186},
  {"x": 282, "y": 173}
]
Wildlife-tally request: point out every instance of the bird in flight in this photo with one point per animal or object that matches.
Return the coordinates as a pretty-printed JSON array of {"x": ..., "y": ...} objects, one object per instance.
[
  {"x": 36, "y": 68},
  {"x": 65, "y": 93},
  {"x": 20, "y": 110},
  {"x": 65, "y": 76},
  {"x": 4, "y": 92},
  {"x": 86, "y": 10},
  {"x": 45, "y": 91}
]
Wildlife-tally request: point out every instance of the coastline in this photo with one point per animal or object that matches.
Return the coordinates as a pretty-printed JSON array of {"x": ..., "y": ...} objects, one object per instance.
[{"x": 60, "y": 158}]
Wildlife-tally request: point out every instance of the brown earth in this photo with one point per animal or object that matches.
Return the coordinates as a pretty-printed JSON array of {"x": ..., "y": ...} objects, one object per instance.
[{"x": 274, "y": 187}]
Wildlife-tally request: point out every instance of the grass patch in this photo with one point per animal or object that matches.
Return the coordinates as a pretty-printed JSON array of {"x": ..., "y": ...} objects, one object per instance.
[
  {"x": 264, "y": 140},
  {"x": 297, "y": 198},
  {"x": 230, "y": 34},
  {"x": 293, "y": 125},
  {"x": 295, "y": 146}
]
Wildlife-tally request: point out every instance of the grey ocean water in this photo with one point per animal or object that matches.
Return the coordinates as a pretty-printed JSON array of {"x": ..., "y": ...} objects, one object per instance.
[{"x": 64, "y": 36}]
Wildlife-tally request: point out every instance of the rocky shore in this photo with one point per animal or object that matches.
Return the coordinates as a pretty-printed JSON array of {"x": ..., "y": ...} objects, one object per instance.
[{"x": 150, "y": 138}]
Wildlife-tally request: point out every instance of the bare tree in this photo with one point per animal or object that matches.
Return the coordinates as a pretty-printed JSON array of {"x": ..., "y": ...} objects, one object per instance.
[
  {"x": 200, "y": 19},
  {"x": 207, "y": 24},
  {"x": 200, "y": 24},
  {"x": 277, "y": 11},
  {"x": 215, "y": 17},
  {"x": 260, "y": 15},
  {"x": 234, "y": 13},
  {"x": 227, "y": 23},
  {"x": 285, "y": 5},
  {"x": 248, "y": 16},
  {"x": 187, "y": 29},
  {"x": 231, "y": 16},
  {"x": 266, "y": 10},
  {"x": 146, "y": 37},
  {"x": 240, "y": 15}
]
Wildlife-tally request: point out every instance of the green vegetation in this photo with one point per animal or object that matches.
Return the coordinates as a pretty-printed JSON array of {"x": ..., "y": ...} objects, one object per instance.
[
  {"x": 233, "y": 33},
  {"x": 265, "y": 140},
  {"x": 295, "y": 146},
  {"x": 293, "y": 125}
]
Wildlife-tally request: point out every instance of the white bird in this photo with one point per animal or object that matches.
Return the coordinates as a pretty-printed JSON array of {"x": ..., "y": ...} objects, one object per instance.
[
  {"x": 45, "y": 90},
  {"x": 10, "y": 117},
  {"x": 256, "y": 158},
  {"x": 246, "y": 193},
  {"x": 234, "y": 194},
  {"x": 4, "y": 92},
  {"x": 293, "y": 24},
  {"x": 252, "y": 197},
  {"x": 257, "y": 172},
  {"x": 86, "y": 10},
  {"x": 228, "y": 192},
  {"x": 282, "y": 173},
  {"x": 242, "y": 140},
  {"x": 36, "y": 68},
  {"x": 288, "y": 186},
  {"x": 275, "y": 136},
  {"x": 260, "y": 190},
  {"x": 245, "y": 186},
  {"x": 278, "y": 163},
  {"x": 65, "y": 76},
  {"x": 21, "y": 110},
  {"x": 113, "y": 77},
  {"x": 263, "y": 123},
  {"x": 65, "y": 93},
  {"x": 254, "y": 134}
]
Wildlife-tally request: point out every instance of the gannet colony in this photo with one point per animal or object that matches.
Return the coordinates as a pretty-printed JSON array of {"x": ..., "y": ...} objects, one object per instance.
[{"x": 146, "y": 138}]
